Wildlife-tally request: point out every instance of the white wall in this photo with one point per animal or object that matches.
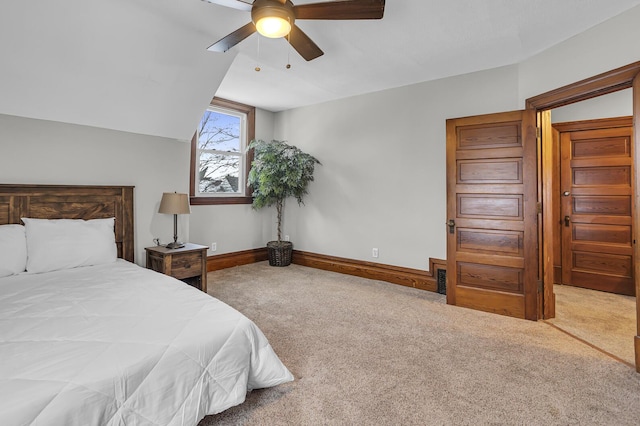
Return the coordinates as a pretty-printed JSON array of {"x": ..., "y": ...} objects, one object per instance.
[
  {"x": 617, "y": 104},
  {"x": 607, "y": 46},
  {"x": 48, "y": 152},
  {"x": 382, "y": 179}
]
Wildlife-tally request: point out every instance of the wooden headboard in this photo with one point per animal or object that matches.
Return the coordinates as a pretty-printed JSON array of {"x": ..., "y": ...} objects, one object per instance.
[{"x": 72, "y": 202}]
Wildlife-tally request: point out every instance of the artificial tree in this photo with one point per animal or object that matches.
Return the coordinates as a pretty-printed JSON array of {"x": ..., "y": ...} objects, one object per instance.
[{"x": 279, "y": 171}]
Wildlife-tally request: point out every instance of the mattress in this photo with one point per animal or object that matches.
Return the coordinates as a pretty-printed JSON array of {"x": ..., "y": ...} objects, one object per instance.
[{"x": 118, "y": 344}]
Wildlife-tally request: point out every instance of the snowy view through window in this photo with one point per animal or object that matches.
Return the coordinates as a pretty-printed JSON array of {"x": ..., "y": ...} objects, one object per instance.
[{"x": 220, "y": 153}]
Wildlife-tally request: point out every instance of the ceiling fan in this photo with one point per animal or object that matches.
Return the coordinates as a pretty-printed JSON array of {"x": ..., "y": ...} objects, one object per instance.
[{"x": 276, "y": 18}]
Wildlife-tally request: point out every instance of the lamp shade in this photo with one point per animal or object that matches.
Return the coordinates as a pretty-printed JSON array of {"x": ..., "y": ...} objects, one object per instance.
[{"x": 174, "y": 203}]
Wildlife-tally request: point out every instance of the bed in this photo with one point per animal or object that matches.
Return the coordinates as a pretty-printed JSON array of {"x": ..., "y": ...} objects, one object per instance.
[{"x": 111, "y": 343}]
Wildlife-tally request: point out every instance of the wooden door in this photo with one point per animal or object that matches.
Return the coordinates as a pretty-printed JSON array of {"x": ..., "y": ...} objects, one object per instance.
[
  {"x": 596, "y": 176},
  {"x": 492, "y": 208}
]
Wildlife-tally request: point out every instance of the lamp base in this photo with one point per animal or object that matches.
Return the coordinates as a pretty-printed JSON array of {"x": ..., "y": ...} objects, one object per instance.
[{"x": 175, "y": 245}]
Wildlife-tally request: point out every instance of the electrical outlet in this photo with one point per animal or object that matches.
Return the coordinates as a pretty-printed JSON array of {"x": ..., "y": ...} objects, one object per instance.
[
  {"x": 214, "y": 246},
  {"x": 374, "y": 252},
  {"x": 286, "y": 238}
]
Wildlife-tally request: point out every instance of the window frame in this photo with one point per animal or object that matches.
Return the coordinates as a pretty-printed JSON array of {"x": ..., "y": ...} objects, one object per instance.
[
  {"x": 225, "y": 153},
  {"x": 250, "y": 113}
]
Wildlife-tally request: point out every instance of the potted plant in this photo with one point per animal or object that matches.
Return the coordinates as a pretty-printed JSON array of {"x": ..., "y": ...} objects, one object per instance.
[{"x": 279, "y": 171}]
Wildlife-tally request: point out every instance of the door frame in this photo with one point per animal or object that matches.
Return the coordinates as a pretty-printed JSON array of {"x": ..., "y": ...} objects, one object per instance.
[{"x": 608, "y": 82}]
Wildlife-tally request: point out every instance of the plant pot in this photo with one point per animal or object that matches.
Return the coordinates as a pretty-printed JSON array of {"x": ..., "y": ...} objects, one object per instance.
[{"x": 279, "y": 253}]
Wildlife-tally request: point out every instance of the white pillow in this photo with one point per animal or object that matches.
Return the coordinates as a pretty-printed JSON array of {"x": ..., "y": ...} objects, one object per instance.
[
  {"x": 13, "y": 250},
  {"x": 54, "y": 244}
]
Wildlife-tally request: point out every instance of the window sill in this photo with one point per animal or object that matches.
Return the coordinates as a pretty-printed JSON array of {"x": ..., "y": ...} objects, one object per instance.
[{"x": 213, "y": 201}]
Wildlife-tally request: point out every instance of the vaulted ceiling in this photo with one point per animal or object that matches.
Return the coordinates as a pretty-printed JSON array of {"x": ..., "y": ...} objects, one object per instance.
[{"x": 142, "y": 65}]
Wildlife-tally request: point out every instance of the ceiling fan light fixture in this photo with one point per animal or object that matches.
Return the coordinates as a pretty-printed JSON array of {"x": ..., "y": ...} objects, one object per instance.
[
  {"x": 276, "y": 19},
  {"x": 273, "y": 26},
  {"x": 272, "y": 18}
]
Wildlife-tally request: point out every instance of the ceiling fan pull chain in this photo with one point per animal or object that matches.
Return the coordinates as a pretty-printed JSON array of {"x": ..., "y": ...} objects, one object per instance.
[
  {"x": 289, "y": 51},
  {"x": 257, "y": 68}
]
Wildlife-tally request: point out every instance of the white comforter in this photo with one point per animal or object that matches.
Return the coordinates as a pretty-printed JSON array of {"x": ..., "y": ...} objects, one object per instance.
[{"x": 119, "y": 344}]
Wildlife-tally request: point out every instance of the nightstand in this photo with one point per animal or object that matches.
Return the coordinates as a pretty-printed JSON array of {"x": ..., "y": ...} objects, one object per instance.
[{"x": 188, "y": 264}]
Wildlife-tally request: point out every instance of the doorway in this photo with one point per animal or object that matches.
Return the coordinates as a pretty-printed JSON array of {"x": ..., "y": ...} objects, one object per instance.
[
  {"x": 609, "y": 82},
  {"x": 593, "y": 276},
  {"x": 475, "y": 192},
  {"x": 594, "y": 202}
]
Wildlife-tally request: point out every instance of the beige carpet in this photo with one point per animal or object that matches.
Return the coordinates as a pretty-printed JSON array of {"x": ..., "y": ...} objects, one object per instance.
[
  {"x": 605, "y": 320},
  {"x": 365, "y": 352}
]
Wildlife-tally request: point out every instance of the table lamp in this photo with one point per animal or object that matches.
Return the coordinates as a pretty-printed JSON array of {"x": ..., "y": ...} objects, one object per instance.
[{"x": 175, "y": 204}]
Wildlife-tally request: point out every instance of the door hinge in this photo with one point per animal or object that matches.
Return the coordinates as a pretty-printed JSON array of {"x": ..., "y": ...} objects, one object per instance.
[
  {"x": 538, "y": 132},
  {"x": 539, "y": 207},
  {"x": 539, "y": 286}
]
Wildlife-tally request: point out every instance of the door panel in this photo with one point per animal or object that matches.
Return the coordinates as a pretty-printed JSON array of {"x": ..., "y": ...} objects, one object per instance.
[
  {"x": 506, "y": 170},
  {"x": 490, "y": 277},
  {"x": 501, "y": 135},
  {"x": 597, "y": 234},
  {"x": 490, "y": 206},
  {"x": 506, "y": 243},
  {"x": 491, "y": 203},
  {"x": 606, "y": 147},
  {"x": 608, "y": 234},
  {"x": 603, "y": 204},
  {"x": 607, "y": 263},
  {"x": 595, "y": 175}
]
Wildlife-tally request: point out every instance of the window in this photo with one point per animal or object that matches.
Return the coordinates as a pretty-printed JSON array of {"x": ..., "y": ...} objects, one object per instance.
[{"x": 220, "y": 160}]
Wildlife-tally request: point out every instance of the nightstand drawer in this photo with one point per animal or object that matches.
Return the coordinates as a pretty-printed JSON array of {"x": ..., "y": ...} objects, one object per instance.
[{"x": 186, "y": 265}]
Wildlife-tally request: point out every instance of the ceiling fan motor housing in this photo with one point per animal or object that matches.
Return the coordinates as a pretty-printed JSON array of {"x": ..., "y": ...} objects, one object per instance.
[{"x": 272, "y": 8}]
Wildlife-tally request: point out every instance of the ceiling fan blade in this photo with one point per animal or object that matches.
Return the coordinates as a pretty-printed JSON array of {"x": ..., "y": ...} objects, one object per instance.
[
  {"x": 235, "y": 4},
  {"x": 353, "y": 9},
  {"x": 303, "y": 44},
  {"x": 232, "y": 39}
]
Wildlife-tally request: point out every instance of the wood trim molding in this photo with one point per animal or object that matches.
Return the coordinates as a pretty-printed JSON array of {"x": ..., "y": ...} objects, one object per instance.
[
  {"x": 601, "y": 123},
  {"x": 636, "y": 198},
  {"x": 229, "y": 260},
  {"x": 601, "y": 84},
  {"x": 424, "y": 280},
  {"x": 546, "y": 216},
  {"x": 216, "y": 201},
  {"x": 637, "y": 347}
]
